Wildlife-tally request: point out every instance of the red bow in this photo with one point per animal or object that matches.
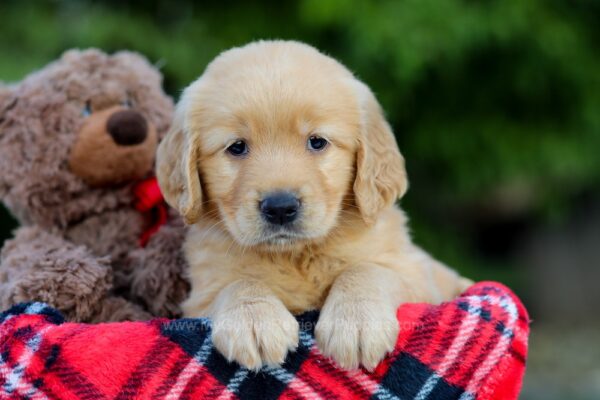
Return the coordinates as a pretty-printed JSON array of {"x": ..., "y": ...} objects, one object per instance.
[{"x": 149, "y": 200}]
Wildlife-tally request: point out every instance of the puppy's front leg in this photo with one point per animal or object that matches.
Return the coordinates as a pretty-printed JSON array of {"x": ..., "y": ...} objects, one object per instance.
[
  {"x": 358, "y": 322},
  {"x": 252, "y": 326}
]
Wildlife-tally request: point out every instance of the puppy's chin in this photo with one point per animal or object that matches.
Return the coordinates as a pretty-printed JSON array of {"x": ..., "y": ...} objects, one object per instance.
[
  {"x": 266, "y": 239},
  {"x": 280, "y": 242}
]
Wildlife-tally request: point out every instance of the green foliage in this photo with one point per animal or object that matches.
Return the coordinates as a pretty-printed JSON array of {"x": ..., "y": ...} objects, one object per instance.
[{"x": 494, "y": 102}]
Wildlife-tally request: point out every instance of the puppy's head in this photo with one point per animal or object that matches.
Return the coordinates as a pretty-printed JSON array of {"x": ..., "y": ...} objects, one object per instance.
[{"x": 282, "y": 144}]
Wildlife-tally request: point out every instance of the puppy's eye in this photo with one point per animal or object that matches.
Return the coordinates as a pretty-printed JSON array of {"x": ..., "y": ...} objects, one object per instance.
[
  {"x": 239, "y": 148},
  {"x": 86, "y": 111},
  {"x": 316, "y": 143}
]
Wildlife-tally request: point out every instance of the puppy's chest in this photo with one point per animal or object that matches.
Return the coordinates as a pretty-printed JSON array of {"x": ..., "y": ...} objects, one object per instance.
[{"x": 303, "y": 284}]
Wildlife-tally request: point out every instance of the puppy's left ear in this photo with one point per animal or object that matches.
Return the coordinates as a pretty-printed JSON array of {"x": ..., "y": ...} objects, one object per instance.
[{"x": 380, "y": 172}]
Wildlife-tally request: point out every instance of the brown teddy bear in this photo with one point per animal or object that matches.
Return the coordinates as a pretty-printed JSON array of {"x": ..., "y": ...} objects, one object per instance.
[{"x": 76, "y": 140}]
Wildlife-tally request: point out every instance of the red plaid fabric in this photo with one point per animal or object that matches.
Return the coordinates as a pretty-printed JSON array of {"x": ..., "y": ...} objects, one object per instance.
[{"x": 471, "y": 348}]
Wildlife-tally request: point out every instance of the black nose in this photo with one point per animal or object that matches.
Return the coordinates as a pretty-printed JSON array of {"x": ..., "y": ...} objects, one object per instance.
[
  {"x": 280, "y": 208},
  {"x": 127, "y": 127}
]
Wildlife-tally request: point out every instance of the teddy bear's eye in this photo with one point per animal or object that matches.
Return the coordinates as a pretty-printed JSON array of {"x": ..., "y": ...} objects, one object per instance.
[
  {"x": 127, "y": 103},
  {"x": 87, "y": 109}
]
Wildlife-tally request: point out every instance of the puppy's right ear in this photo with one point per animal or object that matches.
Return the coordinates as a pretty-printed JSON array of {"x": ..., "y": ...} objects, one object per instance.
[{"x": 177, "y": 170}]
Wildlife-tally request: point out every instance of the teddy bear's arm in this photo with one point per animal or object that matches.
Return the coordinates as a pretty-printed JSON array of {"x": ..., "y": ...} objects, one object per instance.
[
  {"x": 158, "y": 271},
  {"x": 38, "y": 265}
]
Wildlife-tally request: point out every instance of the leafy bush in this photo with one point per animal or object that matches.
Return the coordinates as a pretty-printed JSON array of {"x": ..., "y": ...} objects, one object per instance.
[{"x": 495, "y": 103}]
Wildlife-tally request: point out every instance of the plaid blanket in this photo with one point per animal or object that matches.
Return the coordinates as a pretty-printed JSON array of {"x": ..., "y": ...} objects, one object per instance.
[{"x": 471, "y": 348}]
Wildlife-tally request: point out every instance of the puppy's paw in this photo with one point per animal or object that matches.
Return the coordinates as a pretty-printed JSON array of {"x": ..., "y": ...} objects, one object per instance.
[
  {"x": 356, "y": 332},
  {"x": 255, "y": 334}
]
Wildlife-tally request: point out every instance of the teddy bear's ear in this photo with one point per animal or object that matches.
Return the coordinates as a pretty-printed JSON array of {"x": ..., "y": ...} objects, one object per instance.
[
  {"x": 144, "y": 69},
  {"x": 7, "y": 101}
]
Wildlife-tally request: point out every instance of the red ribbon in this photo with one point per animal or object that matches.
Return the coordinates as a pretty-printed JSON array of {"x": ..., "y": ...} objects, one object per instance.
[{"x": 150, "y": 201}]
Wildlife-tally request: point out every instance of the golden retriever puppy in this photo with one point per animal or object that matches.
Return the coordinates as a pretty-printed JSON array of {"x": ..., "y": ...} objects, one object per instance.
[{"x": 284, "y": 165}]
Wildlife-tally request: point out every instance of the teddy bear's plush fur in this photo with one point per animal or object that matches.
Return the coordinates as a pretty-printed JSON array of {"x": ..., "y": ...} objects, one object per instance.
[{"x": 75, "y": 137}]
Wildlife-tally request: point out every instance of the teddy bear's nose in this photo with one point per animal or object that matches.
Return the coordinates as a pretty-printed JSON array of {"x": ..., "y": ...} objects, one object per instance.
[{"x": 127, "y": 127}]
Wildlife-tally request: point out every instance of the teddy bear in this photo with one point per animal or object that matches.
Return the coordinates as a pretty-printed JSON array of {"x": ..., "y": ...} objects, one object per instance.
[{"x": 77, "y": 148}]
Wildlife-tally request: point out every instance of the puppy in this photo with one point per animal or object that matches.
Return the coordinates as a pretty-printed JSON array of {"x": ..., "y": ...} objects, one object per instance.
[{"x": 284, "y": 165}]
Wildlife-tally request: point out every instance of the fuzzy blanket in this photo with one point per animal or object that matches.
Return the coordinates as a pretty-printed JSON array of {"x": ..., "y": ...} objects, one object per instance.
[{"x": 471, "y": 348}]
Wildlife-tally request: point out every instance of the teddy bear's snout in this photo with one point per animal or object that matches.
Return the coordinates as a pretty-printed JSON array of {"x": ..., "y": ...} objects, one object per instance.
[
  {"x": 113, "y": 146},
  {"x": 127, "y": 127}
]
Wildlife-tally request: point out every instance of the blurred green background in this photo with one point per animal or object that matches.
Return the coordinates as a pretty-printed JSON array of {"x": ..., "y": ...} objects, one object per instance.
[{"x": 495, "y": 104}]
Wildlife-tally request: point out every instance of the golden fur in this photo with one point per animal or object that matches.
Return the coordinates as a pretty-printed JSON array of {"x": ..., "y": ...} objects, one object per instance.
[{"x": 351, "y": 255}]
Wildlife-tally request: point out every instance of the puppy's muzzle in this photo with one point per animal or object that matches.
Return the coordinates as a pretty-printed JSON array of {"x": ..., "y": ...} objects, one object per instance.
[{"x": 280, "y": 208}]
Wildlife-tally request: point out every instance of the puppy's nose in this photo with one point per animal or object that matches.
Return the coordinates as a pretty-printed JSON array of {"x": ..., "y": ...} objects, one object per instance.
[
  {"x": 127, "y": 127},
  {"x": 280, "y": 208}
]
